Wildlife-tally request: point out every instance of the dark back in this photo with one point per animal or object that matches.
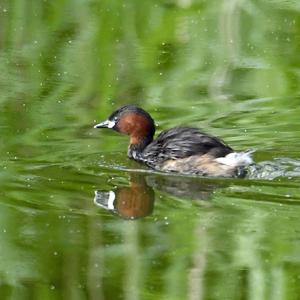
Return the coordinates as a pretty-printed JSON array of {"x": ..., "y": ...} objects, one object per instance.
[{"x": 181, "y": 142}]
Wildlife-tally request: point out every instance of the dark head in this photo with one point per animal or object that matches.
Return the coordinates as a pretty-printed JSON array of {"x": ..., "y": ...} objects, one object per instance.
[{"x": 133, "y": 121}]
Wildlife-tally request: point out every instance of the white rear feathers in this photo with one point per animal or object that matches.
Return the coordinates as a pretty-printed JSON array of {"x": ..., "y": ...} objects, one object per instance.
[{"x": 236, "y": 159}]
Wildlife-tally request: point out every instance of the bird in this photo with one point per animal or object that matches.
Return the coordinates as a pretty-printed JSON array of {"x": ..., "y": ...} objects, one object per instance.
[{"x": 184, "y": 150}]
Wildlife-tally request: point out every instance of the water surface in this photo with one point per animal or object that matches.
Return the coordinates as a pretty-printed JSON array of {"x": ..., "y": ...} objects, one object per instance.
[{"x": 230, "y": 68}]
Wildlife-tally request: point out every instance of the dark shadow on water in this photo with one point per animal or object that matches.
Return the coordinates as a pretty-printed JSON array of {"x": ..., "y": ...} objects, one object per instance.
[{"x": 137, "y": 200}]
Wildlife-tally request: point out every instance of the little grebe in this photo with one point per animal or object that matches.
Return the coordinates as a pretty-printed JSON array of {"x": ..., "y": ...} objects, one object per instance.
[{"x": 180, "y": 149}]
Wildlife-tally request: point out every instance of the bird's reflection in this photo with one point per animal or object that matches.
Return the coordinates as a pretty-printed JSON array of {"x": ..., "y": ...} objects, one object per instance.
[{"x": 137, "y": 200}]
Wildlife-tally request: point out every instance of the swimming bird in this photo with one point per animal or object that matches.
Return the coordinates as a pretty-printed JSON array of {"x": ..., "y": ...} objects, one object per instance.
[{"x": 184, "y": 150}]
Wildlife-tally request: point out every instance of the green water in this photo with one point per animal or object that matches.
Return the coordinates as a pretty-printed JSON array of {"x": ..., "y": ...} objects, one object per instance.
[{"x": 230, "y": 67}]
